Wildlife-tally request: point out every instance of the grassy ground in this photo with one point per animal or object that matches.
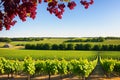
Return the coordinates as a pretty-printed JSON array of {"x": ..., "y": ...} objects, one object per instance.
[
  {"x": 110, "y": 54},
  {"x": 14, "y": 53},
  {"x": 46, "y": 54}
]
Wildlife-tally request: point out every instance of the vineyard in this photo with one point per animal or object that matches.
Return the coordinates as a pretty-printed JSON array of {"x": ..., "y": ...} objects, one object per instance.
[
  {"x": 82, "y": 68},
  {"x": 30, "y": 67}
]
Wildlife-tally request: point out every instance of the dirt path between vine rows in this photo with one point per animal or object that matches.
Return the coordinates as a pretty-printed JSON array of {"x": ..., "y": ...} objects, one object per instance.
[{"x": 98, "y": 72}]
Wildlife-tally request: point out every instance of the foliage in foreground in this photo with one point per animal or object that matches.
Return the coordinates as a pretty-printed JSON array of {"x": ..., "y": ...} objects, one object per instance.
[
  {"x": 29, "y": 66},
  {"x": 110, "y": 66}
]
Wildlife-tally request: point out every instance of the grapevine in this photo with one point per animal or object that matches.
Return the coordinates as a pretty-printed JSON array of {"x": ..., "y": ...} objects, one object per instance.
[
  {"x": 9, "y": 9},
  {"x": 51, "y": 67},
  {"x": 117, "y": 67},
  {"x": 62, "y": 67},
  {"x": 82, "y": 67},
  {"x": 29, "y": 66},
  {"x": 108, "y": 65},
  {"x": 39, "y": 66},
  {"x": 1, "y": 66}
]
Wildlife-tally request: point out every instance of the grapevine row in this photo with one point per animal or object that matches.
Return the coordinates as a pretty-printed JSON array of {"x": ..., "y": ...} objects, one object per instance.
[
  {"x": 49, "y": 67},
  {"x": 110, "y": 66}
]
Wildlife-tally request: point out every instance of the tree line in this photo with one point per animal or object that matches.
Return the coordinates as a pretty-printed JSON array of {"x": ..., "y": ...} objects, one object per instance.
[
  {"x": 118, "y": 38},
  {"x": 6, "y": 39},
  {"x": 63, "y": 46},
  {"x": 71, "y": 39}
]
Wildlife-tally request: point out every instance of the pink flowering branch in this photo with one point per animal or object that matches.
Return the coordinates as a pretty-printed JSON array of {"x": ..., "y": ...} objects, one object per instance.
[{"x": 9, "y": 9}]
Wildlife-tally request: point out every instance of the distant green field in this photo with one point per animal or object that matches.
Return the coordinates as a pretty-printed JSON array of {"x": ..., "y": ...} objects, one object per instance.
[
  {"x": 110, "y": 54},
  {"x": 2, "y": 44},
  {"x": 46, "y": 54},
  {"x": 62, "y": 40},
  {"x": 58, "y": 41},
  {"x": 52, "y": 54},
  {"x": 106, "y": 42},
  {"x": 51, "y": 41}
]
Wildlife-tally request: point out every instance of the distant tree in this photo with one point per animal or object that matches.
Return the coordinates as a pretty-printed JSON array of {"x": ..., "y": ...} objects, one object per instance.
[
  {"x": 55, "y": 47},
  {"x": 27, "y": 46},
  {"x": 87, "y": 47},
  {"x": 33, "y": 46},
  {"x": 79, "y": 47},
  {"x": 7, "y": 40},
  {"x": 115, "y": 47},
  {"x": 70, "y": 47},
  {"x": 39, "y": 46},
  {"x": 118, "y": 47},
  {"x": 112, "y": 38},
  {"x": 96, "y": 47},
  {"x": 30, "y": 46},
  {"x": 46, "y": 46},
  {"x": 101, "y": 39},
  {"x": 111, "y": 47},
  {"x": 87, "y": 40},
  {"x": 104, "y": 47},
  {"x": 62, "y": 46}
]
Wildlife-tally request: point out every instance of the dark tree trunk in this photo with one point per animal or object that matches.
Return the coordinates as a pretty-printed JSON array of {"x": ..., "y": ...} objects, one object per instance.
[
  {"x": 12, "y": 75},
  {"x": 8, "y": 76},
  {"x": 28, "y": 76},
  {"x": 49, "y": 76}
]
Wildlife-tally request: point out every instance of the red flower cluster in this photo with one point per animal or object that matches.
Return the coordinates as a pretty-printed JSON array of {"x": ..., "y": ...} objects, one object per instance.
[
  {"x": 86, "y": 4},
  {"x": 71, "y": 5},
  {"x": 13, "y": 8},
  {"x": 55, "y": 8},
  {"x": 27, "y": 9},
  {"x": 9, "y": 9}
]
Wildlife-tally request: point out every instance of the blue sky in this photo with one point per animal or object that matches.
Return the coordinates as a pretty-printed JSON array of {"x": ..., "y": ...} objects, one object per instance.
[{"x": 101, "y": 19}]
